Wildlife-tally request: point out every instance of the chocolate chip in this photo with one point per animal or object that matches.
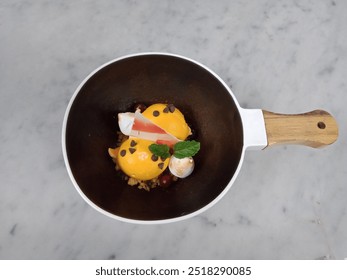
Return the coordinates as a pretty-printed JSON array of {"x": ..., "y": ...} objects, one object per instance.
[
  {"x": 156, "y": 113},
  {"x": 133, "y": 143},
  {"x": 166, "y": 110},
  {"x": 154, "y": 158},
  {"x": 123, "y": 153},
  {"x": 171, "y": 108},
  {"x": 161, "y": 165},
  {"x": 162, "y": 159},
  {"x": 132, "y": 150}
]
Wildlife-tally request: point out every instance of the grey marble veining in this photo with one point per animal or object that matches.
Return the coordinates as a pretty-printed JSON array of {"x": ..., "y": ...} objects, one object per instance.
[{"x": 283, "y": 56}]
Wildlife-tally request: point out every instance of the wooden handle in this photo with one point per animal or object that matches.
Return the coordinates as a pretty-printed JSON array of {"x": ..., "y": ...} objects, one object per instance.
[{"x": 314, "y": 129}]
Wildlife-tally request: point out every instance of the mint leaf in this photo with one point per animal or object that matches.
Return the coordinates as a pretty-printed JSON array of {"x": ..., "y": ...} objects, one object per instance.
[
  {"x": 181, "y": 149},
  {"x": 186, "y": 149},
  {"x": 160, "y": 150}
]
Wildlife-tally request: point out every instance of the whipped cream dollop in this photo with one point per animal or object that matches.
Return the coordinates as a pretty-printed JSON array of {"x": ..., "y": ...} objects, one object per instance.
[{"x": 181, "y": 167}]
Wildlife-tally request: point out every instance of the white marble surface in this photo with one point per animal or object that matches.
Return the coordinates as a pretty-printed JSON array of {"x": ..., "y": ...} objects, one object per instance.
[{"x": 284, "y": 56}]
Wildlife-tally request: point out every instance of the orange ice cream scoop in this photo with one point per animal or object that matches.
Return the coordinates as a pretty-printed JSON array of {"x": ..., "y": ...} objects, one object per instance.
[
  {"x": 169, "y": 118},
  {"x": 137, "y": 161}
]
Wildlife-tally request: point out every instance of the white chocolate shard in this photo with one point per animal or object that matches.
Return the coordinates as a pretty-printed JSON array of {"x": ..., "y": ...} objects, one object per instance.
[{"x": 136, "y": 125}]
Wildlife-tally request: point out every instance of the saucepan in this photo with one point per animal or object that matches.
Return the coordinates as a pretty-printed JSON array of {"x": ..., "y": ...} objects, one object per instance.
[{"x": 224, "y": 129}]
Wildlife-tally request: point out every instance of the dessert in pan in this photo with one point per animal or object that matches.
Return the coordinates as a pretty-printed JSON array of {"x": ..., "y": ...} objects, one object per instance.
[
  {"x": 154, "y": 147},
  {"x": 157, "y": 146}
]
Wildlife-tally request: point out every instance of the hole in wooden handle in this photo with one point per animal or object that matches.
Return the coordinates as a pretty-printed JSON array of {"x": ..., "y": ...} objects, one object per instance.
[{"x": 321, "y": 125}]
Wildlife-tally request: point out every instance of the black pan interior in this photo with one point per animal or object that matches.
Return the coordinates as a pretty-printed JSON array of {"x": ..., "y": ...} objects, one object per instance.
[{"x": 202, "y": 98}]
